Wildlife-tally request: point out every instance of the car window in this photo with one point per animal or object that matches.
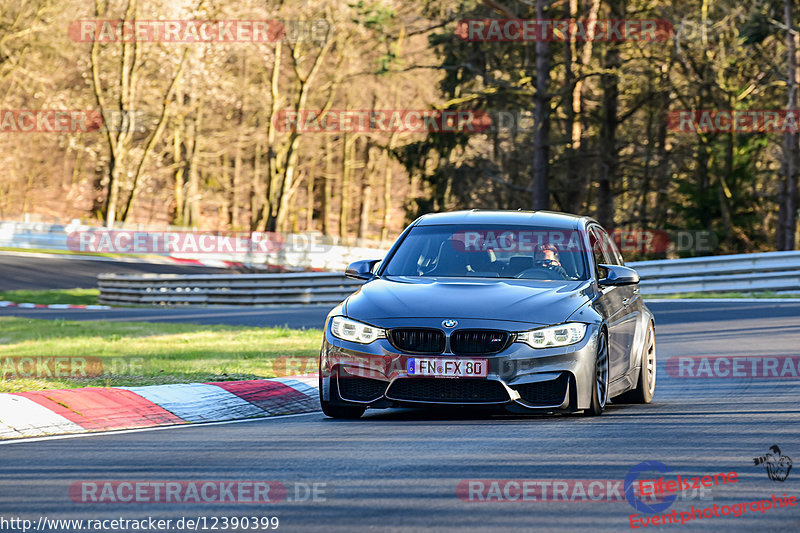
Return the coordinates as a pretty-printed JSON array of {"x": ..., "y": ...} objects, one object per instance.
[
  {"x": 615, "y": 251},
  {"x": 610, "y": 252},
  {"x": 597, "y": 247},
  {"x": 603, "y": 249},
  {"x": 490, "y": 251}
]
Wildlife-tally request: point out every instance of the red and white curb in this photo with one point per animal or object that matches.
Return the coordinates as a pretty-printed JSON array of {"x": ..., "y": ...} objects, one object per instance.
[
  {"x": 66, "y": 411},
  {"x": 215, "y": 263},
  {"x": 5, "y": 303}
]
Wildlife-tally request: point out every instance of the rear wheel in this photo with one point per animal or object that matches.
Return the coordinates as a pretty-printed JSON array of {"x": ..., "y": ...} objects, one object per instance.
[
  {"x": 600, "y": 388},
  {"x": 644, "y": 391},
  {"x": 337, "y": 411}
]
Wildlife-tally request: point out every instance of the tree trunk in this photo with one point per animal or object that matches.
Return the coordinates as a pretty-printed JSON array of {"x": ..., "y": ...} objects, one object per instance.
[
  {"x": 284, "y": 166},
  {"x": 237, "y": 153},
  {"x": 119, "y": 141},
  {"x": 192, "y": 209},
  {"x": 347, "y": 165},
  {"x": 236, "y": 181},
  {"x": 344, "y": 198},
  {"x": 225, "y": 210},
  {"x": 540, "y": 194},
  {"x": 662, "y": 176},
  {"x": 787, "y": 211},
  {"x": 608, "y": 127},
  {"x": 577, "y": 177},
  {"x": 327, "y": 186},
  {"x": 256, "y": 189},
  {"x": 273, "y": 173},
  {"x": 154, "y": 138},
  {"x": 309, "y": 201},
  {"x": 366, "y": 192},
  {"x": 179, "y": 184},
  {"x": 387, "y": 188}
]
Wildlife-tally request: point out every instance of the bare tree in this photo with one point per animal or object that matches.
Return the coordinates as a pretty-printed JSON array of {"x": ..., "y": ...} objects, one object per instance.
[
  {"x": 787, "y": 206},
  {"x": 540, "y": 191}
]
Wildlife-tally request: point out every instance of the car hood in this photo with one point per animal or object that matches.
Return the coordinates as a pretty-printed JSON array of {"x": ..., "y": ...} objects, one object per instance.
[{"x": 525, "y": 301}]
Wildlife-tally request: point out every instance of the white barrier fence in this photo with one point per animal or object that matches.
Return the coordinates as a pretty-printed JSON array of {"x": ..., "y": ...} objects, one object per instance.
[
  {"x": 772, "y": 271},
  {"x": 255, "y": 250}
]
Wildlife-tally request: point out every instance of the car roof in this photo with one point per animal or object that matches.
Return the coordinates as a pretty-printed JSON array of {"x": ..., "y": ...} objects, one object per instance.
[{"x": 548, "y": 219}]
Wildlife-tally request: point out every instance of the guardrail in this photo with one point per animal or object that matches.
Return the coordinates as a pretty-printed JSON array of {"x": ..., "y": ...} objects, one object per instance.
[
  {"x": 225, "y": 289},
  {"x": 773, "y": 271},
  {"x": 770, "y": 271}
]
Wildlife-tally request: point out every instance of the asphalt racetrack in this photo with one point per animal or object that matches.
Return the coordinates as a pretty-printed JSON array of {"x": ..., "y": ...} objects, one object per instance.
[
  {"x": 50, "y": 271},
  {"x": 399, "y": 470}
]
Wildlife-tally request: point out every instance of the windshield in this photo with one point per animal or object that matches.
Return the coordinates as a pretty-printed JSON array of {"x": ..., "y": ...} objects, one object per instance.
[{"x": 522, "y": 252}]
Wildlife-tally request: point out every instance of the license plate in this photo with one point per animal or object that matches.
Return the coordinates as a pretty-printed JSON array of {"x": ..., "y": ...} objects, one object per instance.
[{"x": 451, "y": 368}]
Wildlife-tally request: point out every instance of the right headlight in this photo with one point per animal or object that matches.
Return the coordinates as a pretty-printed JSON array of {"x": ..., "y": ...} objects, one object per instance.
[
  {"x": 348, "y": 329},
  {"x": 549, "y": 337}
]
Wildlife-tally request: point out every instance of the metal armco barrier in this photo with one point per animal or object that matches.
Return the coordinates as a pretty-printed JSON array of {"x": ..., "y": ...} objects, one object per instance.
[
  {"x": 772, "y": 271},
  {"x": 225, "y": 289}
]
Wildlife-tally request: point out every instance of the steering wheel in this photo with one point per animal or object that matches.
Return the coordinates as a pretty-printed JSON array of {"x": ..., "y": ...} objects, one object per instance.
[
  {"x": 543, "y": 270},
  {"x": 535, "y": 272}
]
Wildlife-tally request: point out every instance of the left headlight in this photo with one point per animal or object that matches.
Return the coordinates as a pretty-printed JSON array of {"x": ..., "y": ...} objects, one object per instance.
[
  {"x": 348, "y": 329},
  {"x": 561, "y": 335}
]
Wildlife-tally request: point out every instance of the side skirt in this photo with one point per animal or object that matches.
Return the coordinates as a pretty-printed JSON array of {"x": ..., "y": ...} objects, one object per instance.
[{"x": 625, "y": 383}]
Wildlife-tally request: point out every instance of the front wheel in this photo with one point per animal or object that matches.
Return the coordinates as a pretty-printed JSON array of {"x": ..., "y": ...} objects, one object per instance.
[
  {"x": 600, "y": 388},
  {"x": 644, "y": 391},
  {"x": 338, "y": 411}
]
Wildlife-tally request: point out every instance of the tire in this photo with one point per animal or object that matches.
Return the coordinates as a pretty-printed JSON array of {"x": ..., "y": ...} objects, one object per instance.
[
  {"x": 600, "y": 385},
  {"x": 332, "y": 410},
  {"x": 646, "y": 388}
]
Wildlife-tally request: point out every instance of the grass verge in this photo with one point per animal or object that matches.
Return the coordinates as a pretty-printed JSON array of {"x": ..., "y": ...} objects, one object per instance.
[
  {"x": 58, "y": 296},
  {"x": 139, "y": 353}
]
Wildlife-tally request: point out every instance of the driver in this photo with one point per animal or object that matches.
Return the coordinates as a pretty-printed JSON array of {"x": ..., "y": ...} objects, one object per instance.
[{"x": 547, "y": 256}]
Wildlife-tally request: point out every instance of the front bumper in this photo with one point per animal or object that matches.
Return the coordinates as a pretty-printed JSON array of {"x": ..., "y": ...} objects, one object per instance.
[{"x": 520, "y": 378}]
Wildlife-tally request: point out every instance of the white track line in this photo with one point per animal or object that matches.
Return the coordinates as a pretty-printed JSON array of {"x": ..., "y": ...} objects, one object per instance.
[{"x": 157, "y": 428}]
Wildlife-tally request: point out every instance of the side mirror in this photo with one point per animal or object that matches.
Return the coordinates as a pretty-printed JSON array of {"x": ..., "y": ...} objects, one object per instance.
[
  {"x": 617, "y": 275},
  {"x": 361, "y": 269}
]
